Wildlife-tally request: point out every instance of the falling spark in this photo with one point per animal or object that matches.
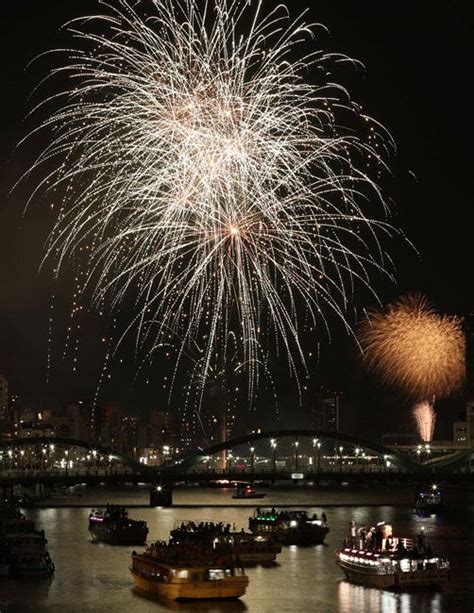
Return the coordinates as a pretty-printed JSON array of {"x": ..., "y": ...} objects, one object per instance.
[{"x": 206, "y": 179}]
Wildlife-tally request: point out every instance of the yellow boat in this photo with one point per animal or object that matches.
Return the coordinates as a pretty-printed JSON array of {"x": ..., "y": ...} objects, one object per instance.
[{"x": 178, "y": 573}]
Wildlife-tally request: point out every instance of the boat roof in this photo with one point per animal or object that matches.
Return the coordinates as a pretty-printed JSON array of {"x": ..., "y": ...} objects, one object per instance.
[{"x": 179, "y": 565}]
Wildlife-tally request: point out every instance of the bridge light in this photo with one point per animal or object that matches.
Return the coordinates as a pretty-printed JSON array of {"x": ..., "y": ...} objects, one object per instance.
[
  {"x": 10, "y": 453},
  {"x": 357, "y": 451},
  {"x": 66, "y": 452},
  {"x": 297, "y": 444},
  {"x": 318, "y": 445},
  {"x": 315, "y": 442},
  {"x": 158, "y": 488},
  {"x": 43, "y": 450},
  {"x": 51, "y": 447},
  {"x": 252, "y": 449},
  {"x": 273, "y": 443},
  {"x": 341, "y": 449},
  {"x": 94, "y": 452}
]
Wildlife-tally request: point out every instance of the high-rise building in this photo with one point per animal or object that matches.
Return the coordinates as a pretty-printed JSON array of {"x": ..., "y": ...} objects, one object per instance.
[
  {"x": 3, "y": 397},
  {"x": 325, "y": 411}
]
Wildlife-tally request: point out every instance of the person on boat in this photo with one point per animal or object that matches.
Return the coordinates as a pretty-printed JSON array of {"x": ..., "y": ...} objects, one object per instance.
[
  {"x": 378, "y": 538},
  {"x": 362, "y": 534},
  {"x": 421, "y": 540},
  {"x": 352, "y": 532},
  {"x": 401, "y": 547},
  {"x": 324, "y": 518},
  {"x": 315, "y": 516}
]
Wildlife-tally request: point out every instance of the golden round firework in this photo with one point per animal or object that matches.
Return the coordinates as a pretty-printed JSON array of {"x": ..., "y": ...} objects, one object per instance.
[{"x": 415, "y": 348}]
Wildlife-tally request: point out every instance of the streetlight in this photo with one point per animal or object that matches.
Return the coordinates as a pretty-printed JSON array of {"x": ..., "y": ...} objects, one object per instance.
[
  {"x": 252, "y": 458},
  {"x": 296, "y": 454},
  {"x": 341, "y": 448},
  {"x": 318, "y": 445}
]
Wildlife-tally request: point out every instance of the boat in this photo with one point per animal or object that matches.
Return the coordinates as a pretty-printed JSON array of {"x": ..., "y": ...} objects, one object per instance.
[
  {"x": 32, "y": 563},
  {"x": 114, "y": 527},
  {"x": 394, "y": 564},
  {"x": 26, "y": 555},
  {"x": 289, "y": 527},
  {"x": 429, "y": 499},
  {"x": 243, "y": 547},
  {"x": 246, "y": 490},
  {"x": 184, "y": 572}
]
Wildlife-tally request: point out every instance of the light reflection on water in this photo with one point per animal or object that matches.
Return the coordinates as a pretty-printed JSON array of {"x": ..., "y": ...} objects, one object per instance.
[{"x": 95, "y": 577}]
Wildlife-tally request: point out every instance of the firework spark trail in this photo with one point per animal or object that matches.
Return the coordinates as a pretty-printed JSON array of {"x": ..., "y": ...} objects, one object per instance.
[
  {"x": 205, "y": 177},
  {"x": 416, "y": 350},
  {"x": 425, "y": 418}
]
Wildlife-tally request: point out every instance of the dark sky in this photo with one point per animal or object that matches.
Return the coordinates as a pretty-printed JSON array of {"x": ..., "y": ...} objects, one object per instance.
[{"x": 418, "y": 58}]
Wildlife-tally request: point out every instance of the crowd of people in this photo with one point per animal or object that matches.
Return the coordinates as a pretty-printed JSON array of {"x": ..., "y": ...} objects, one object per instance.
[
  {"x": 273, "y": 514},
  {"x": 207, "y": 528},
  {"x": 380, "y": 538}
]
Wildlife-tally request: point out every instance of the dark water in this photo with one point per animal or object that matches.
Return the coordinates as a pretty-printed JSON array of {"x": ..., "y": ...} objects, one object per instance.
[{"x": 95, "y": 577}]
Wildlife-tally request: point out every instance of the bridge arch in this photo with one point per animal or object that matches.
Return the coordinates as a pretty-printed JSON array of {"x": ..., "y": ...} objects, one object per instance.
[
  {"x": 73, "y": 442},
  {"x": 198, "y": 456}
]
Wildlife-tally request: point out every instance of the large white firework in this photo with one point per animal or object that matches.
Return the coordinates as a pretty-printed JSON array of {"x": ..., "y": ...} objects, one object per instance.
[{"x": 210, "y": 169}]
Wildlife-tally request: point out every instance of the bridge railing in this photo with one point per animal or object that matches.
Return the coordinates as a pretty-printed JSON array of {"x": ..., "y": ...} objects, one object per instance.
[
  {"x": 62, "y": 472},
  {"x": 291, "y": 470}
]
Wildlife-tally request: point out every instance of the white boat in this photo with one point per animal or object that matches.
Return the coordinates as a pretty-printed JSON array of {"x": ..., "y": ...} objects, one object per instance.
[{"x": 396, "y": 564}]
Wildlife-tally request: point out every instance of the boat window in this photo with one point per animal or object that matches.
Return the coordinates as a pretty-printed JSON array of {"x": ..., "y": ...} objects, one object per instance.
[
  {"x": 182, "y": 574},
  {"x": 215, "y": 574}
]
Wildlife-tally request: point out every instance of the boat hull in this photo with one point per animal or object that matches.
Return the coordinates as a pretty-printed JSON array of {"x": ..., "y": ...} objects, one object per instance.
[
  {"x": 294, "y": 536},
  {"x": 229, "y": 589},
  {"x": 423, "y": 578},
  {"x": 136, "y": 536}
]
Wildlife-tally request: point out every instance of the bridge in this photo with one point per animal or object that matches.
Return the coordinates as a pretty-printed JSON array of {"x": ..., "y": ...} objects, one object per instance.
[{"x": 295, "y": 454}]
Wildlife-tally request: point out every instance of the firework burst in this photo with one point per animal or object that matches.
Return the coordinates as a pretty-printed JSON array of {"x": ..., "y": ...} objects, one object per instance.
[
  {"x": 202, "y": 175},
  {"x": 416, "y": 350}
]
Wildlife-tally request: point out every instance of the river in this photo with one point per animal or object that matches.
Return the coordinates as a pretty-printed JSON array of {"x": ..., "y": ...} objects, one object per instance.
[{"x": 95, "y": 577}]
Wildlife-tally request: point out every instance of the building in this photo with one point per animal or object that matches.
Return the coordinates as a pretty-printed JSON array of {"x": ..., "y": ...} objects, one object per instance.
[
  {"x": 326, "y": 410},
  {"x": 4, "y": 399},
  {"x": 36, "y": 429},
  {"x": 461, "y": 432},
  {"x": 78, "y": 414}
]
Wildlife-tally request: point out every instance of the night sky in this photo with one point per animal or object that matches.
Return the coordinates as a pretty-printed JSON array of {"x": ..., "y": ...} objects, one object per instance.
[{"x": 418, "y": 59}]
